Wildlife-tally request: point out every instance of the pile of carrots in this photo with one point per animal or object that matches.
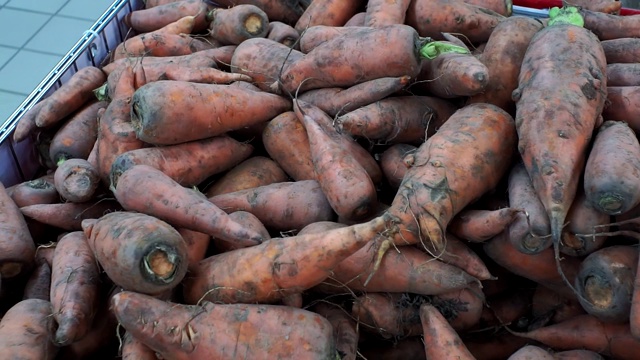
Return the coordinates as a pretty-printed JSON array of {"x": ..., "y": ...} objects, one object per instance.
[{"x": 277, "y": 179}]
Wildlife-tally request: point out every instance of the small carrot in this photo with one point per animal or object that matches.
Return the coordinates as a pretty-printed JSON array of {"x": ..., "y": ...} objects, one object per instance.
[
  {"x": 585, "y": 221},
  {"x": 283, "y": 33},
  {"x": 148, "y": 190},
  {"x": 39, "y": 284},
  {"x": 69, "y": 216},
  {"x": 253, "y": 172},
  {"x": 393, "y": 165},
  {"x": 236, "y": 24},
  {"x": 137, "y": 251},
  {"x": 26, "y": 126},
  {"x": 458, "y": 254},
  {"x": 38, "y": 191},
  {"x": 76, "y": 180},
  {"x": 327, "y": 12},
  {"x": 17, "y": 248},
  {"x": 440, "y": 340},
  {"x": 76, "y": 137},
  {"x": 476, "y": 225}
]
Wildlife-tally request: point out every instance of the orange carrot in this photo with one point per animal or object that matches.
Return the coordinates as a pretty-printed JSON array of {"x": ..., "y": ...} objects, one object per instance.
[
  {"x": 280, "y": 206},
  {"x": 283, "y": 33},
  {"x": 345, "y": 332},
  {"x": 134, "y": 349},
  {"x": 481, "y": 225},
  {"x": 609, "y": 26},
  {"x": 76, "y": 180},
  {"x": 137, "y": 251},
  {"x": 38, "y": 191},
  {"x": 156, "y": 17},
  {"x": 248, "y": 221},
  {"x": 148, "y": 190},
  {"x": 585, "y": 221},
  {"x": 236, "y": 24},
  {"x": 623, "y": 50},
  {"x": 27, "y": 123},
  {"x": 17, "y": 248},
  {"x": 458, "y": 254},
  {"x": 69, "y": 216},
  {"x": 315, "y": 35},
  {"x": 622, "y": 105},
  {"x": 502, "y": 7},
  {"x": 24, "y": 331},
  {"x": 254, "y": 172},
  {"x": 393, "y": 165},
  {"x": 550, "y": 307},
  {"x": 188, "y": 163},
  {"x": 278, "y": 10},
  {"x": 327, "y": 12},
  {"x": 76, "y": 137},
  {"x": 440, "y": 340},
  {"x": 623, "y": 74},
  {"x": 210, "y": 110},
  {"x": 382, "y": 13},
  {"x": 197, "y": 245}
]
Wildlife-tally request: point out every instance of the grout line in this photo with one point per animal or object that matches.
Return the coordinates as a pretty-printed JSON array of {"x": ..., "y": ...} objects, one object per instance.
[
  {"x": 27, "y": 10},
  {"x": 13, "y": 92}
]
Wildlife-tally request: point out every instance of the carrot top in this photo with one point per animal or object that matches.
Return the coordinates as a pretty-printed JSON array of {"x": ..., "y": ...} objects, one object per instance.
[
  {"x": 435, "y": 48},
  {"x": 565, "y": 15}
]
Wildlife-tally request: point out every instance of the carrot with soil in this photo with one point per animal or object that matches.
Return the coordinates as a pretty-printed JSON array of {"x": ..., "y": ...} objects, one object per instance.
[
  {"x": 254, "y": 172},
  {"x": 623, "y": 50},
  {"x": 502, "y": 7},
  {"x": 24, "y": 331},
  {"x": 623, "y": 75},
  {"x": 327, "y": 12},
  {"x": 17, "y": 248},
  {"x": 478, "y": 226},
  {"x": 246, "y": 220},
  {"x": 38, "y": 191},
  {"x": 283, "y": 33},
  {"x": 76, "y": 180},
  {"x": 345, "y": 332},
  {"x": 585, "y": 221},
  {"x": 148, "y": 190},
  {"x": 392, "y": 163},
  {"x": 236, "y": 24},
  {"x": 26, "y": 126},
  {"x": 440, "y": 340},
  {"x": 154, "y": 18},
  {"x": 39, "y": 284},
  {"x": 74, "y": 288},
  {"x": 622, "y": 105},
  {"x": 76, "y": 137},
  {"x": 445, "y": 175},
  {"x": 609, "y": 26},
  {"x": 69, "y": 215},
  {"x": 288, "y": 11},
  {"x": 382, "y": 13}
]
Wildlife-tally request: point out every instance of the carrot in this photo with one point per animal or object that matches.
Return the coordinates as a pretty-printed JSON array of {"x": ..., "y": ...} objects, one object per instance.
[
  {"x": 74, "y": 93},
  {"x": 285, "y": 140},
  {"x": 76, "y": 180},
  {"x": 24, "y": 331},
  {"x": 389, "y": 315},
  {"x": 622, "y": 105},
  {"x": 440, "y": 340},
  {"x": 148, "y": 190},
  {"x": 503, "y": 57},
  {"x": 269, "y": 271},
  {"x": 473, "y": 22},
  {"x": 154, "y": 18},
  {"x": 589, "y": 333},
  {"x": 137, "y": 251},
  {"x": 553, "y": 145},
  {"x": 609, "y": 26},
  {"x": 345, "y": 332},
  {"x": 606, "y": 282},
  {"x": 531, "y": 352},
  {"x": 337, "y": 100},
  {"x": 344, "y": 181},
  {"x": 382, "y": 13},
  {"x": 502, "y": 7},
  {"x": 263, "y": 60},
  {"x": 38, "y": 191},
  {"x": 539, "y": 267},
  {"x": 279, "y": 10},
  {"x": 236, "y": 24},
  {"x": 481, "y": 225},
  {"x": 74, "y": 288},
  {"x": 506, "y": 308},
  {"x": 451, "y": 71},
  {"x": 280, "y": 206},
  {"x": 605, "y": 6},
  {"x": 283, "y": 33},
  {"x": 585, "y": 221},
  {"x": 134, "y": 349},
  {"x": 612, "y": 172},
  {"x": 39, "y": 284},
  {"x": 393, "y": 165},
  {"x": 551, "y": 307},
  {"x": 197, "y": 245},
  {"x": 17, "y": 248},
  {"x": 254, "y": 172},
  {"x": 248, "y": 221},
  {"x": 330, "y": 65},
  {"x": 188, "y": 163},
  {"x": 462, "y": 308},
  {"x": 622, "y": 50},
  {"x": 27, "y": 124},
  {"x": 406, "y": 270},
  {"x": 399, "y": 119},
  {"x": 444, "y": 178},
  {"x": 69, "y": 216},
  {"x": 76, "y": 137},
  {"x": 623, "y": 75},
  {"x": 299, "y": 334},
  {"x": 116, "y": 134},
  {"x": 327, "y": 12},
  {"x": 530, "y": 232},
  {"x": 209, "y": 109},
  {"x": 356, "y": 20},
  {"x": 577, "y": 355},
  {"x": 458, "y": 254},
  {"x": 148, "y": 4},
  {"x": 315, "y": 35}
]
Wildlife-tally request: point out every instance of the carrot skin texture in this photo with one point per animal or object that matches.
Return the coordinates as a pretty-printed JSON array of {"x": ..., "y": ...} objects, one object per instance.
[
  {"x": 17, "y": 248},
  {"x": 235, "y": 276},
  {"x": 74, "y": 288},
  {"x": 392, "y": 164},
  {"x": 580, "y": 237},
  {"x": 318, "y": 34},
  {"x": 345, "y": 333},
  {"x": 137, "y": 251},
  {"x": 188, "y": 163},
  {"x": 154, "y": 18},
  {"x": 197, "y": 245},
  {"x": 76, "y": 137},
  {"x": 442, "y": 181},
  {"x": 220, "y": 109},
  {"x": 381, "y": 13},
  {"x": 481, "y": 225},
  {"x": 503, "y": 57},
  {"x": 553, "y": 144},
  {"x": 27, "y": 123},
  {"x": 234, "y": 25},
  {"x": 612, "y": 172},
  {"x": 452, "y": 75},
  {"x": 70, "y": 96},
  {"x": 76, "y": 180},
  {"x": 286, "y": 11},
  {"x": 458, "y": 254},
  {"x": 623, "y": 50},
  {"x": 327, "y": 12},
  {"x": 283, "y": 34},
  {"x": 502, "y": 7},
  {"x": 609, "y": 27},
  {"x": 622, "y": 105},
  {"x": 69, "y": 216},
  {"x": 148, "y": 190},
  {"x": 24, "y": 331},
  {"x": 621, "y": 74},
  {"x": 38, "y": 191},
  {"x": 251, "y": 173},
  {"x": 440, "y": 339},
  {"x": 280, "y": 206},
  {"x": 248, "y": 221},
  {"x": 39, "y": 284},
  {"x": 299, "y": 334},
  {"x": 134, "y": 349}
]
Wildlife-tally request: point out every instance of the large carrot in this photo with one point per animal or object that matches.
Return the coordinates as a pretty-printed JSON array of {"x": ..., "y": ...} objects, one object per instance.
[
  {"x": 280, "y": 206},
  {"x": 209, "y": 110},
  {"x": 612, "y": 172},
  {"x": 17, "y": 248},
  {"x": 331, "y": 63},
  {"x": 76, "y": 137},
  {"x": 137, "y": 251},
  {"x": 467, "y": 157},
  {"x": 328, "y": 12},
  {"x": 440, "y": 340},
  {"x": 154, "y": 18},
  {"x": 609, "y": 26},
  {"x": 188, "y": 163},
  {"x": 183, "y": 332},
  {"x": 623, "y": 50},
  {"x": 251, "y": 173},
  {"x": 552, "y": 141},
  {"x": 25, "y": 331},
  {"x": 148, "y": 190},
  {"x": 277, "y": 267},
  {"x": 74, "y": 288},
  {"x": 382, "y": 13}
]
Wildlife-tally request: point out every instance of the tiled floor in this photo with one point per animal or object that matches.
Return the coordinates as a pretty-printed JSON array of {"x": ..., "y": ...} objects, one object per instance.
[{"x": 36, "y": 35}]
